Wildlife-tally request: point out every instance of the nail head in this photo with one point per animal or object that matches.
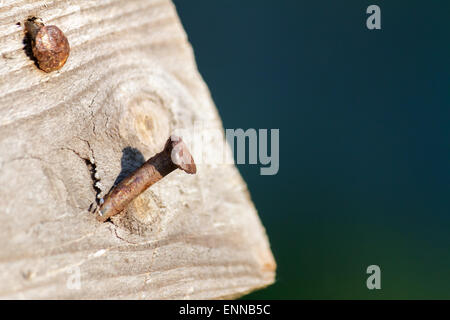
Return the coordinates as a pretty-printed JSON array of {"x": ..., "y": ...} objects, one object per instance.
[{"x": 49, "y": 44}]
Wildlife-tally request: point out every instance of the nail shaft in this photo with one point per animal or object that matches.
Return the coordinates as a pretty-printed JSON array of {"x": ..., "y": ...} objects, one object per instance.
[{"x": 175, "y": 155}]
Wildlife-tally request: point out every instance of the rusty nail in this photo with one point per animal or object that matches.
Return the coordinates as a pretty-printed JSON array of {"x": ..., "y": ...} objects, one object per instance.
[
  {"x": 49, "y": 44},
  {"x": 175, "y": 155}
]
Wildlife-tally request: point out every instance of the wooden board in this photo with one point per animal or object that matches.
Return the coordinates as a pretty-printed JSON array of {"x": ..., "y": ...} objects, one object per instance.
[{"x": 66, "y": 136}]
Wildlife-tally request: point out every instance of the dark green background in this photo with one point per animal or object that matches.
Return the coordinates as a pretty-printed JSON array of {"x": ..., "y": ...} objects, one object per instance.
[{"x": 364, "y": 136}]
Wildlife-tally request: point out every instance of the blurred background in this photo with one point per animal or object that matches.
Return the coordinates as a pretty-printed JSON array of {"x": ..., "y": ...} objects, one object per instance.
[{"x": 364, "y": 119}]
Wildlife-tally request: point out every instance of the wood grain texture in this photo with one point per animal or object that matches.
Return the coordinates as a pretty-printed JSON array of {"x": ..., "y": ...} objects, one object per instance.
[{"x": 66, "y": 136}]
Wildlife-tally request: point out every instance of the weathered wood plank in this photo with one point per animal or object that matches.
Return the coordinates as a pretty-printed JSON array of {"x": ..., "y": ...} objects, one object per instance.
[{"x": 65, "y": 136}]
